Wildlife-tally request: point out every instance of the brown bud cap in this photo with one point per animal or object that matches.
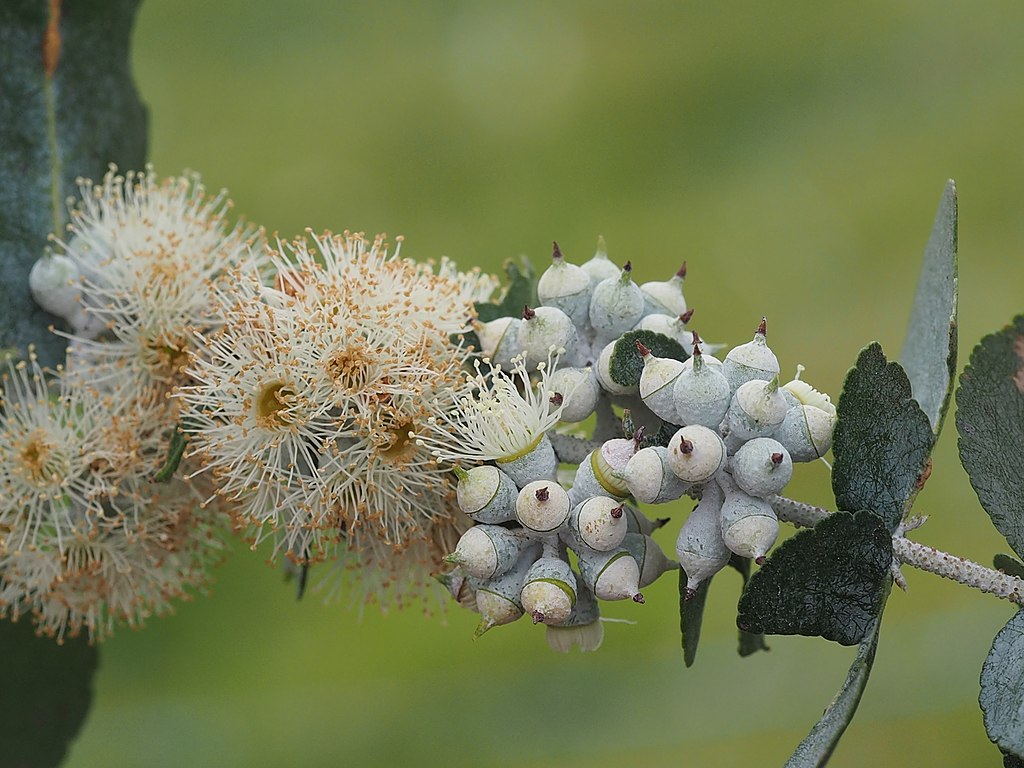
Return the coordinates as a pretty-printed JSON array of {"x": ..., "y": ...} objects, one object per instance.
[
  {"x": 638, "y": 598},
  {"x": 616, "y": 512},
  {"x": 762, "y": 329},
  {"x": 556, "y": 252},
  {"x": 528, "y": 314},
  {"x": 542, "y": 494},
  {"x": 685, "y": 446},
  {"x": 776, "y": 459},
  {"x": 644, "y": 351}
]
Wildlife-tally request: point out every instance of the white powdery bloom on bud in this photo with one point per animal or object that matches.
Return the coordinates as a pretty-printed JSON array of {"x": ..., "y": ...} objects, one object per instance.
[
  {"x": 496, "y": 417},
  {"x": 149, "y": 253}
]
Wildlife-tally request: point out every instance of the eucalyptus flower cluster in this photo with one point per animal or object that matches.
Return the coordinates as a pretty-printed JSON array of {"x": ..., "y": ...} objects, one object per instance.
[{"x": 674, "y": 423}]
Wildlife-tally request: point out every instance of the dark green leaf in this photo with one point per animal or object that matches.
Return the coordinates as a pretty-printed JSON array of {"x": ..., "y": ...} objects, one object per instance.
[
  {"x": 1008, "y": 565},
  {"x": 522, "y": 292},
  {"x": 691, "y": 616},
  {"x": 817, "y": 747},
  {"x": 175, "y": 450},
  {"x": 827, "y": 581},
  {"x": 990, "y": 420},
  {"x": 626, "y": 364},
  {"x": 54, "y": 129},
  {"x": 44, "y": 697},
  {"x": 1002, "y": 688},
  {"x": 1012, "y": 761},
  {"x": 750, "y": 642},
  {"x": 882, "y": 440},
  {"x": 929, "y": 350}
]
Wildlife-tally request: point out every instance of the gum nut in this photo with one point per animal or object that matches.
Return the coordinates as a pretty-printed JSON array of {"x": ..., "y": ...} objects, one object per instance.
[
  {"x": 603, "y": 373},
  {"x": 656, "y": 385},
  {"x": 757, "y": 410},
  {"x": 567, "y": 287},
  {"x": 749, "y": 525},
  {"x": 599, "y": 522},
  {"x": 599, "y": 267},
  {"x": 579, "y": 391},
  {"x": 54, "y": 283},
  {"x": 699, "y": 546},
  {"x": 753, "y": 360},
  {"x": 696, "y": 453},
  {"x": 648, "y": 478},
  {"x": 701, "y": 395},
  {"x": 649, "y": 557},
  {"x": 709, "y": 360},
  {"x": 541, "y": 329},
  {"x": 616, "y": 306},
  {"x": 762, "y": 467},
  {"x": 542, "y": 506},
  {"x": 666, "y": 296},
  {"x": 537, "y": 463},
  {"x": 806, "y": 432},
  {"x": 611, "y": 575},
  {"x": 491, "y": 334},
  {"x": 486, "y": 494}
]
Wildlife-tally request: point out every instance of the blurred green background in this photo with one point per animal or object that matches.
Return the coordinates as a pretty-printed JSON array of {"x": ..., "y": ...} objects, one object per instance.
[{"x": 793, "y": 152}]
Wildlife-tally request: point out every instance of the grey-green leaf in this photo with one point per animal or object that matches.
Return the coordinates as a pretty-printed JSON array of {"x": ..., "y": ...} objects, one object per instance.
[
  {"x": 817, "y": 747},
  {"x": 691, "y": 616},
  {"x": 990, "y": 420},
  {"x": 1002, "y": 688},
  {"x": 750, "y": 642},
  {"x": 1008, "y": 565},
  {"x": 521, "y": 292},
  {"x": 45, "y": 695},
  {"x": 67, "y": 109},
  {"x": 882, "y": 440},
  {"x": 825, "y": 581},
  {"x": 929, "y": 349}
]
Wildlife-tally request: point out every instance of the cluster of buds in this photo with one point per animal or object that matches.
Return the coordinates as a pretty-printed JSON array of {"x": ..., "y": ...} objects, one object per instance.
[{"x": 724, "y": 432}]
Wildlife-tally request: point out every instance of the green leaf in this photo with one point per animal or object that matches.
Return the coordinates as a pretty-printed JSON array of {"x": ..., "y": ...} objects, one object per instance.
[
  {"x": 691, "y": 616},
  {"x": 45, "y": 695},
  {"x": 817, "y": 747},
  {"x": 929, "y": 350},
  {"x": 626, "y": 364},
  {"x": 61, "y": 116},
  {"x": 750, "y": 642},
  {"x": 882, "y": 440},
  {"x": 1008, "y": 565},
  {"x": 825, "y": 581},
  {"x": 522, "y": 292},
  {"x": 990, "y": 420},
  {"x": 1002, "y": 688}
]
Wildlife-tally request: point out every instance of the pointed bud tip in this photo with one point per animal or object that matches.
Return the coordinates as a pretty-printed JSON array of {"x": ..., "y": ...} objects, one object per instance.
[
  {"x": 776, "y": 459},
  {"x": 616, "y": 512},
  {"x": 543, "y": 494},
  {"x": 454, "y": 558},
  {"x": 686, "y": 446},
  {"x": 681, "y": 272},
  {"x": 482, "y": 627},
  {"x": 686, "y": 316},
  {"x": 537, "y": 617},
  {"x": 643, "y": 350},
  {"x": 762, "y": 329},
  {"x": 628, "y": 267},
  {"x": 602, "y": 248},
  {"x": 528, "y": 314},
  {"x": 556, "y": 252},
  {"x": 460, "y": 472},
  {"x": 638, "y": 598}
]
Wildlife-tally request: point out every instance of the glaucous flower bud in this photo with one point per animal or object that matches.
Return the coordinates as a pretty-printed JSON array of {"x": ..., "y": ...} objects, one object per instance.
[
  {"x": 578, "y": 389},
  {"x": 761, "y": 467},
  {"x": 486, "y": 551},
  {"x": 542, "y": 506},
  {"x": 696, "y": 454},
  {"x": 753, "y": 360},
  {"x": 649, "y": 479},
  {"x": 604, "y": 376},
  {"x": 536, "y": 463},
  {"x": 591, "y": 480},
  {"x": 497, "y": 599},
  {"x": 54, "y": 282},
  {"x": 540, "y": 330},
  {"x": 749, "y": 524},
  {"x": 649, "y": 557},
  {"x": 656, "y": 383},
  {"x": 599, "y": 523},
  {"x": 600, "y": 267},
  {"x": 567, "y": 287},
  {"x": 486, "y": 494},
  {"x": 666, "y": 297},
  {"x": 806, "y": 431},
  {"x": 757, "y": 410},
  {"x": 498, "y": 340},
  {"x": 700, "y": 549},
  {"x": 701, "y": 394},
  {"x": 672, "y": 326},
  {"x": 616, "y": 306},
  {"x": 549, "y": 591},
  {"x": 611, "y": 575}
]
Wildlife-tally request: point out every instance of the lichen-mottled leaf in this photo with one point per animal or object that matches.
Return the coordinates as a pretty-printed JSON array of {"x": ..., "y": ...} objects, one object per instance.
[
  {"x": 1002, "y": 688},
  {"x": 990, "y": 420},
  {"x": 826, "y": 581},
  {"x": 1012, "y": 761},
  {"x": 929, "y": 349},
  {"x": 882, "y": 440},
  {"x": 67, "y": 109},
  {"x": 626, "y": 364},
  {"x": 44, "y": 697},
  {"x": 1008, "y": 565},
  {"x": 817, "y": 747},
  {"x": 521, "y": 292},
  {"x": 691, "y": 616},
  {"x": 750, "y": 642}
]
